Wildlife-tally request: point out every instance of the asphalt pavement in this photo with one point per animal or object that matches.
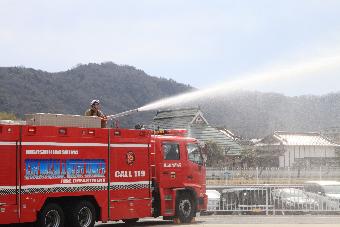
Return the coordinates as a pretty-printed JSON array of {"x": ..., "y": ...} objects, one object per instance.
[
  {"x": 240, "y": 221},
  {"x": 234, "y": 221}
]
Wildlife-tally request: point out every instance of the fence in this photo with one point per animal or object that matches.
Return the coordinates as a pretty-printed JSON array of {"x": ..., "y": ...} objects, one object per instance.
[
  {"x": 237, "y": 176},
  {"x": 269, "y": 199}
]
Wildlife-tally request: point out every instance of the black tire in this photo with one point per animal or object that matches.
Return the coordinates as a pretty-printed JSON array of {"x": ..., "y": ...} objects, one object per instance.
[
  {"x": 130, "y": 221},
  {"x": 185, "y": 208},
  {"x": 51, "y": 216},
  {"x": 83, "y": 214}
]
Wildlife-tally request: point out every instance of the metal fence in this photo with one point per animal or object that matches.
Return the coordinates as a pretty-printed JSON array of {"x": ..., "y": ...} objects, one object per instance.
[
  {"x": 269, "y": 199},
  {"x": 236, "y": 176}
]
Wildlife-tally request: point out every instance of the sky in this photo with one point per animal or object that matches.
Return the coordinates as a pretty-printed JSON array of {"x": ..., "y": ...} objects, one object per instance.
[{"x": 201, "y": 43}]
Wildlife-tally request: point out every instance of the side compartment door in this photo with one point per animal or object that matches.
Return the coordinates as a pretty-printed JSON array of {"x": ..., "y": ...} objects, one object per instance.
[
  {"x": 62, "y": 161},
  {"x": 9, "y": 172},
  {"x": 130, "y": 185}
]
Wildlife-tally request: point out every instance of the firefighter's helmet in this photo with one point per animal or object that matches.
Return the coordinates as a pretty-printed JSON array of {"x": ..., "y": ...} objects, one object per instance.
[{"x": 95, "y": 101}]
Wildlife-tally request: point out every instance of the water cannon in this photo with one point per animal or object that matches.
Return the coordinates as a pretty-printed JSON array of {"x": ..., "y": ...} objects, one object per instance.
[{"x": 122, "y": 114}]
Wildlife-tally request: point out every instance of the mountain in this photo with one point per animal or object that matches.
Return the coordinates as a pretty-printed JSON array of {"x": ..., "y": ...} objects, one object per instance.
[
  {"x": 256, "y": 114},
  {"x": 121, "y": 88}
]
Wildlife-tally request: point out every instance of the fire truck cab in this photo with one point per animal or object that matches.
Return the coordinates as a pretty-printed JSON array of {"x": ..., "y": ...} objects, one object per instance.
[
  {"x": 179, "y": 176},
  {"x": 53, "y": 175}
]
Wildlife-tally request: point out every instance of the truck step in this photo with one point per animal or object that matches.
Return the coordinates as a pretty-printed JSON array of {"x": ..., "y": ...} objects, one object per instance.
[{"x": 170, "y": 211}]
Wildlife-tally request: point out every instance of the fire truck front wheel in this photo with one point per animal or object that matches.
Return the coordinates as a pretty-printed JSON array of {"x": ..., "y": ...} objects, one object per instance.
[
  {"x": 51, "y": 216},
  {"x": 185, "y": 209},
  {"x": 83, "y": 214}
]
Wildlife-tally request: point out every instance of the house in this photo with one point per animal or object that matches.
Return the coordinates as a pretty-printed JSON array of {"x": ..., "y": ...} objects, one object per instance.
[
  {"x": 308, "y": 149},
  {"x": 332, "y": 134},
  {"x": 197, "y": 126}
]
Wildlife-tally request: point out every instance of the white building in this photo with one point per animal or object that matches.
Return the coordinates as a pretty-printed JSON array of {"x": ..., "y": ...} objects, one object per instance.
[
  {"x": 332, "y": 134},
  {"x": 299, "y": 149}
]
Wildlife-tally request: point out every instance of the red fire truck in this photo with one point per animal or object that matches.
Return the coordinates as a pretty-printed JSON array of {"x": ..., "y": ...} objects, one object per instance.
[{"x": 71, "y": 176}]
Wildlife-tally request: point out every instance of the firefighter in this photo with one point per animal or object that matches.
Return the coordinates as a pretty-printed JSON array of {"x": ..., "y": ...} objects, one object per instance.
[{"x": 95, "y": 111}]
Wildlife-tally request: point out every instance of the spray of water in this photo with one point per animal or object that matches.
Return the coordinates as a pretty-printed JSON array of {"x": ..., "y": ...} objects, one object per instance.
[{"x": 250, "y": 81}]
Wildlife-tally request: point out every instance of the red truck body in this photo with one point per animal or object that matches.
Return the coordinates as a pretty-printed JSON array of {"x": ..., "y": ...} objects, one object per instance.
[{"x": 55, "y": 175}]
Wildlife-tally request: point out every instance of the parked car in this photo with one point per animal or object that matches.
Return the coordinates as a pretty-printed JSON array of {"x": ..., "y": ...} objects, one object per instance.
[
  {"x": 244, "y": 199},
  {"x": 327, "y": 193},
  {"x": 214, "y": 198},
  {"x": 292, "y": 199}
]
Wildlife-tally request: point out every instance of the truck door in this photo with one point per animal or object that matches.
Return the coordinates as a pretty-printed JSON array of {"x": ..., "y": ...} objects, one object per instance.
[
  {"x": 9, "y": 172},
  {"x": 194, "y": 166},
  {"x": 130, "y": 185},
  {"x": 171, "y": 164}
]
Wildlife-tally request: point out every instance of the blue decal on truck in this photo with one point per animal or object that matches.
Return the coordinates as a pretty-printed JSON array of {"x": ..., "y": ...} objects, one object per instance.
[{"x": 61, "y": 168}]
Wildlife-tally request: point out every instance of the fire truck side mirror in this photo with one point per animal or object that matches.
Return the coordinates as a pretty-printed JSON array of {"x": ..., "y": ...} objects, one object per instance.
[
  {"x": 203, "y": 150},
  {"x": 205, "y": 158}
]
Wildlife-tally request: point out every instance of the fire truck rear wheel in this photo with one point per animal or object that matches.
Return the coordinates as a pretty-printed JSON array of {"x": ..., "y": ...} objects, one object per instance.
[
  {"x": 83, "y": 214},
  {"x": 51, "y": 216},
  {"x": 185, "y": 209}
]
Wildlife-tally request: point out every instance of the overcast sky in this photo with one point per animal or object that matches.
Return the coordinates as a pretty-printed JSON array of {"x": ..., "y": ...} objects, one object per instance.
[{"x": 200, "y": 43}]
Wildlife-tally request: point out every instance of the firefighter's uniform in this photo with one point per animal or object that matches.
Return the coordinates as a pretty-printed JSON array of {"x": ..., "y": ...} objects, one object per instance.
[{"x": 98, "y": 113}]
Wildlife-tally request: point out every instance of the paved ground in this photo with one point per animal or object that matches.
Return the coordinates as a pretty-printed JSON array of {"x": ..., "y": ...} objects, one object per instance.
[
  {"x": 241, "y": 221},
  {"x": 234, "y": 221}
]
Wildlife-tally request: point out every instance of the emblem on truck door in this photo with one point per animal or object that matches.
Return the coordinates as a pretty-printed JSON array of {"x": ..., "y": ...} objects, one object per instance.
[{"x": 130, "y": 158}]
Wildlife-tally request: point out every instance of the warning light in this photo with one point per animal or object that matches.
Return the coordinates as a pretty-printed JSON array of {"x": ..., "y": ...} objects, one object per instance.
[
  {"x": 116, "y": 133},
  {"x": 62, "y": 131},
  {"x": 91, "y": 132},
  {"x": 32, "y": 130}
]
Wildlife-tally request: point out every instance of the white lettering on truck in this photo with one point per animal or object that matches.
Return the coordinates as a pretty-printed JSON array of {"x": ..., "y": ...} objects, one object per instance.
[
  {"x": 173, "y": 165},
  {"x": 52, "y": 152},
  {"x": 129, "y": 173}
]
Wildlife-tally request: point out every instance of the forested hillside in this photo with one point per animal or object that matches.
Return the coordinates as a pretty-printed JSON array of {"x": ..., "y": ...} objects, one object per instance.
[
  {"x": 121, "y": 88},
  {"x": 256, "y": 114}
]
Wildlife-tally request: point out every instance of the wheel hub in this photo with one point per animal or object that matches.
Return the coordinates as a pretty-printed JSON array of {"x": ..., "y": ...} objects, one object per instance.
[
  {"x": 84, "y": 217},
  {"x": 185, "y": 207},
  {"x": 52, "y": 219}
]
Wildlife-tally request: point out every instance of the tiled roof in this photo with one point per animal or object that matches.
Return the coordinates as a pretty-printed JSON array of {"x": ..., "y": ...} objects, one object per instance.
[
  {"x": 314, "y": 139},
  {"x": 208, "y": 133},
  {"x": 184, "y": 118},
  {"x": 298, "y": 139},
  {"x": 176, "y": 118},
  {"x": 176, "y": 113},
  {"x": 179, "y": 122}
]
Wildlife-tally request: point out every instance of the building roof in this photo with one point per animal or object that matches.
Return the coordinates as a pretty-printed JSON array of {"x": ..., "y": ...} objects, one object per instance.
[
  {"x": 227, "y": 133},
  {"x": 198, "y": 127},
  {"x": 296, "y": 139},
  {"x": 209, "y": 133},
  {"x": 174, "y": 113},
  {"x": 178, "y": 118}
]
